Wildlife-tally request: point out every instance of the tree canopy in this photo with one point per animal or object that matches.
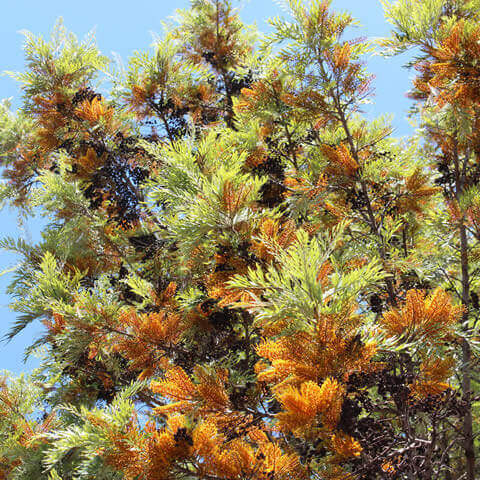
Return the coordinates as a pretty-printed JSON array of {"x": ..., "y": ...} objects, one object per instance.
[{"x": 241, "y": 277}]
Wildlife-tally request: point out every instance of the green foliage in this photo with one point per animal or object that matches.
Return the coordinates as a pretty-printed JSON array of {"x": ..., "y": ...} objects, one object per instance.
[
  {"x": 14, "y": 127},
  {"x": 414, "y": 22},
  {"x": 195, "y": 188},
  {"x": 61, "y": 64},
  {"x": 84, "y": 439},
  {"x": 293, "y": 289}
]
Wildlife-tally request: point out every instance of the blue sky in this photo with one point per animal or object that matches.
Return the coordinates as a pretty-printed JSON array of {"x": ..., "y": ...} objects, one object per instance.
[{"x": 122, "y": 28}]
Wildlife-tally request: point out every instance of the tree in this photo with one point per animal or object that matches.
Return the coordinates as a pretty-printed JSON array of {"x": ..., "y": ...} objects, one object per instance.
[
  {"x": 242, "y": 277},
  {"x": 448, "y": 84}
]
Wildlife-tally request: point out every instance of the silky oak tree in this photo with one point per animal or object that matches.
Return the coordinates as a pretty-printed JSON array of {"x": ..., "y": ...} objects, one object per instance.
[{"x": 240, "y": 276}]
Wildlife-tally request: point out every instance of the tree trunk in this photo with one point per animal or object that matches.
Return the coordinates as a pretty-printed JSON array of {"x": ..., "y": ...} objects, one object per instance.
[{"x": 466, "y": 360}]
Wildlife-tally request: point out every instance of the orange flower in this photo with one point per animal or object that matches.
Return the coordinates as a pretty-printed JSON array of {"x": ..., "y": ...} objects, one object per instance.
[
  {"x": 95, "y": 111},
  {"x": 89, "y": 162},
  {"x": 341, "y": 160},
  {"x": 273, "y": 234},
  {"x": 346, "y": 446},
  {"x": 304, "y": 404},
  {"x": 208, "y": 394},
  {"x": 434, "y": 373},
  {"x": 388, "y": 467},
  {"x": 418, "y": 192},
  {"x": 432, "y": 317},
  {"x": 176, "y": 386},
  {"x": 234, "y": 197}
]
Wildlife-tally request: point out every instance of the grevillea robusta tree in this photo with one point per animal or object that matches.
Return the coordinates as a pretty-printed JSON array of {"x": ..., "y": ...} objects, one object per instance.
[{"x": 241, "y": 277}]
